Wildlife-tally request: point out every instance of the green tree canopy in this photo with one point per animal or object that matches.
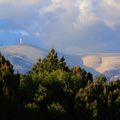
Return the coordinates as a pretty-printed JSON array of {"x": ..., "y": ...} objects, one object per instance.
[
  {"x": 8, "y": 80},
  {"x": 52, "y": 81}
]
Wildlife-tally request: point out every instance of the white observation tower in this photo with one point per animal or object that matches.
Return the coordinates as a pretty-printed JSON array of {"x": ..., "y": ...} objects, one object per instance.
[{"x": 21, "y": 41}]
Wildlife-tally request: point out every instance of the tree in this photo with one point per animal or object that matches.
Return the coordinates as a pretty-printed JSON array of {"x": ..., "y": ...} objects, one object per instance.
[
  {"x": 50, "y": 63},
  {"x": 52, "y": 81},
  {"x": 9, "y": 81},
  {"x": 9, "y": 84}
]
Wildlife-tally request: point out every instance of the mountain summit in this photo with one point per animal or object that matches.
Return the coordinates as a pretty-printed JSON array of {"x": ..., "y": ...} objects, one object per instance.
[{"x": 23, "y": 57}]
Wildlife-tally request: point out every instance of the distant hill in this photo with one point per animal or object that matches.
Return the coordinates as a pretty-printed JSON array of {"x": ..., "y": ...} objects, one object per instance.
[
  {"x": 23, "y": 57},
  {"x": 104, "y": 63}
]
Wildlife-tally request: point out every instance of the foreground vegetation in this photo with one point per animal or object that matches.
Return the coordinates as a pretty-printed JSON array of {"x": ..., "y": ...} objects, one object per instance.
[{"x": 53, "y": 91}]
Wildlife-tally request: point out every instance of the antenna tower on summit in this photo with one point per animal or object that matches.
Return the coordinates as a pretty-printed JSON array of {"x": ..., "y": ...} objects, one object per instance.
[{"x": 21, "y": 41}]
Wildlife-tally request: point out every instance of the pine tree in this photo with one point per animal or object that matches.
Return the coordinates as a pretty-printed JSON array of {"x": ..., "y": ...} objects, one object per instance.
[
  {"x": 8, "y": 80},
  {"x": 51, "y": 63}
]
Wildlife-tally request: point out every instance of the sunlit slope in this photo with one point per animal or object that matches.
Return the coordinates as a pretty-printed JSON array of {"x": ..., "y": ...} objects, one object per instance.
[
  {"x": 22, "y": 56},
  {"x": 26, "y": 51},
  {"x": 102, "y": 62}
]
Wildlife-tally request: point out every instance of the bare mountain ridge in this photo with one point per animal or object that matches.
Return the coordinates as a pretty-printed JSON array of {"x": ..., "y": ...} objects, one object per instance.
[
  {"x": 23, "y": 57},
  {"x": 102, "y": 62}
]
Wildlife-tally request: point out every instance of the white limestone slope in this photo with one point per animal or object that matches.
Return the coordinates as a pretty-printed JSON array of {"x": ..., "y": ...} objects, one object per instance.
[
  {"x": 23, "y": 57},
  {"x": 102, "y": 62},
  {"x": 27, "y": 51}
]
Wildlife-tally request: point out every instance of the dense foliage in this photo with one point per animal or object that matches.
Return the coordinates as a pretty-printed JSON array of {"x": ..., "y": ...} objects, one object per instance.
[
  {"x": 52, "y": 90},
  {"x": 9, "y": 84}
]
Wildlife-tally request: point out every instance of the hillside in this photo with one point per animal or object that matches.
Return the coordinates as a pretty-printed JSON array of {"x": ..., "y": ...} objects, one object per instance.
[
  {"x": 106, "y": 63},
  {"x": 102, "y": 62},
  {"x": 23, "y": 57}
]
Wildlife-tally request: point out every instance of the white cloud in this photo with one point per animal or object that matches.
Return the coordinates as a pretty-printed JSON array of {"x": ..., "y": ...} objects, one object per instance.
[
  {"x": 86, "y": 17},
  {"x": 108, "y": 12},
  {"x": 53, "y": 6},
  {"x": 62, "y": 22},
  {"x": 68, "y": 21},
  {"x": 23, "y": 2},
  {"x": 94, "y": 11},
  {"x": 111, "y": 3}
]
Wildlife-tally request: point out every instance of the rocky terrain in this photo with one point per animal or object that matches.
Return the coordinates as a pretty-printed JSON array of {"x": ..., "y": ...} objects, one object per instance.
[{"x": 23, "y": 57}]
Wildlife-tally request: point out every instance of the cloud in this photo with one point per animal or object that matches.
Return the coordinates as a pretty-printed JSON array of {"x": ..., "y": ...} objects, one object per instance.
[
  {"x": 69, "y": 25},
  {"x": 108, "y": 12},
  {"x": 23, "y": 2},
  {"x": 53, "y": 6},
  {"x": 86, "y": 16},
  {"x": 75, "y": 24},
  {"x": 89, "y": 11}
]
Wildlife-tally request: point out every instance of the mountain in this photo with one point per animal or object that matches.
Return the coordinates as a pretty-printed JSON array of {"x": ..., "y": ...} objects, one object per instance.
[
  {"x": 113, "y": 74},
  {"x": 23, "y": 57},
  {"x": 104, "y": 63}
]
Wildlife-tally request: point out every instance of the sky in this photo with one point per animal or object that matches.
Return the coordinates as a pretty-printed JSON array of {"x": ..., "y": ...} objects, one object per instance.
[{"x": 70, "y": 26}]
